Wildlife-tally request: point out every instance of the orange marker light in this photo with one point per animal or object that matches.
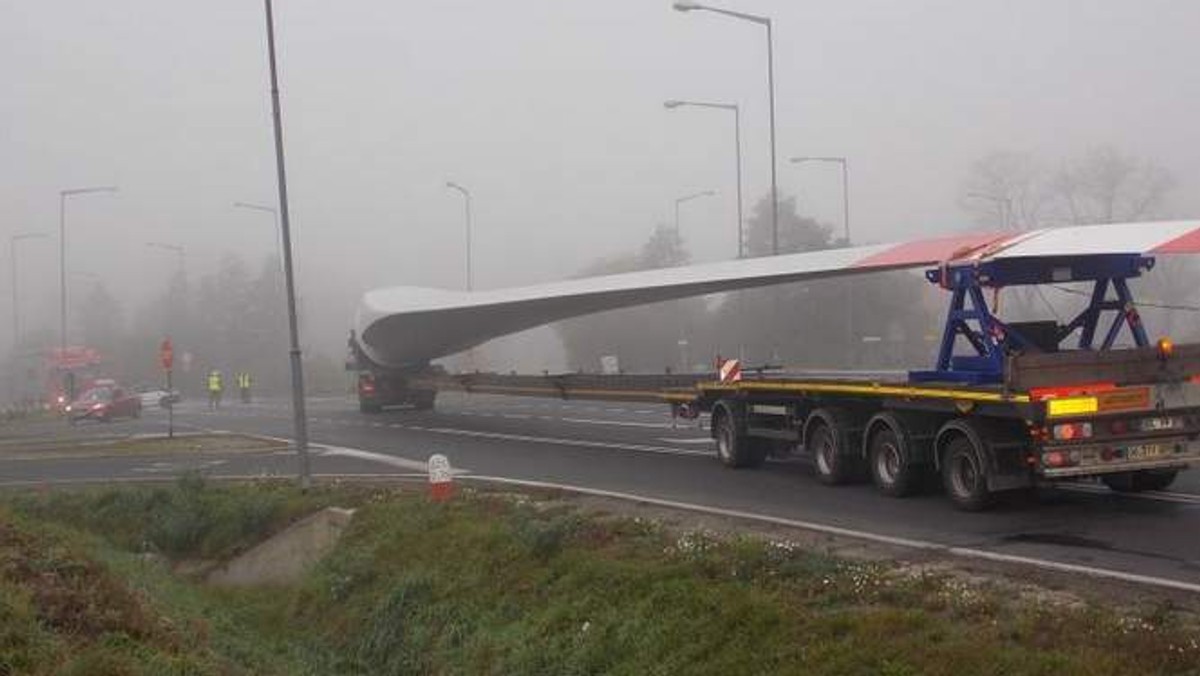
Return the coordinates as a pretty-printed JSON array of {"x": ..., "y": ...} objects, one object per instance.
[{"x": 1165, "y": 348}]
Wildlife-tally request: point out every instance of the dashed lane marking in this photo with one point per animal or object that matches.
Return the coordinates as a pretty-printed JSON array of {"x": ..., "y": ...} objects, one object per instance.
[{"x": 617, "y": 423}]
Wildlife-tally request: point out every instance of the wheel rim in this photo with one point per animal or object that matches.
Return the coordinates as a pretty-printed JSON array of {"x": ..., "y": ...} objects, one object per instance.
[
  {"x": 825, "y": 454},
  {"x": 724, "y": 441},
  {"x": 964, "y": 475},
  {"x": 887, "y": 463}
]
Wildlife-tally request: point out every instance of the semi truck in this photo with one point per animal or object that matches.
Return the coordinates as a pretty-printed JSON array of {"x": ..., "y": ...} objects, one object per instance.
[{"x": 1008, "y": 405}]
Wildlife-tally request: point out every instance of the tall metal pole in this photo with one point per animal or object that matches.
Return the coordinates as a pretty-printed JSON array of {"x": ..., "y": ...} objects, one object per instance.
[
  {"x": 846, "y": 234},
  {"x": 737, "y": 147},
  {"x": 274, "y": 215},
  {"x": 845, "y": 197},
  {"x": 691, "y": 5},
  {"x": 69, "y": 385},
  {"x": 467, "y": 207},
  {"x": 300, "y": 423},
  {"x": 62, "y": 276},
  {"x": 737, "y": 142},
  {"x": 774, "y": 184},
  {"x": 688, "y": 198}
]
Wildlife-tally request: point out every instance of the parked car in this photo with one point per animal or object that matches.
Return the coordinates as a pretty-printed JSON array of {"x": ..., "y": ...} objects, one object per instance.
[
  {"x": 156, "y": 397},
  {"x": 105, "y": 403}
]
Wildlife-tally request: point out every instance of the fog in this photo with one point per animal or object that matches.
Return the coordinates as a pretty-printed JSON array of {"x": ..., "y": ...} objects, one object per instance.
[{"x": 551, "y": 114}]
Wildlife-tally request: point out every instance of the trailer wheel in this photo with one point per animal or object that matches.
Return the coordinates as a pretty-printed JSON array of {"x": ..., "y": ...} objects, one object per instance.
[
  {"x": 1136, "y": 482},
  {"x": 822, "y": 444},
  {"x": 964, "y": 475},
  {"x": 889, "y": 464},
  {"x": 734, "y": 448}
]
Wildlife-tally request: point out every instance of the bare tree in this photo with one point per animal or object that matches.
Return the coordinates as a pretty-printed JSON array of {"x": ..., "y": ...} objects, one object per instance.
[
  {"x": 1006, "y": 190},
  {"x": 1105, "y": 185}
]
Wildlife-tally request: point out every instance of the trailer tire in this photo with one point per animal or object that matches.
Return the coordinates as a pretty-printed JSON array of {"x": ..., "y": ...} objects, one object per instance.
[
  {"x": 734, "y": 448},
  {"x": 832, "y": 466},
  {"x": 891, "y": 468},
  {"x": 1136, "y": 482},
  {"x": 964, "y": 474}
]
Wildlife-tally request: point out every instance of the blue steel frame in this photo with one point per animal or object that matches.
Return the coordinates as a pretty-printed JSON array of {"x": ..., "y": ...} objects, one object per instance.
[{"x": 993, "y": 340}]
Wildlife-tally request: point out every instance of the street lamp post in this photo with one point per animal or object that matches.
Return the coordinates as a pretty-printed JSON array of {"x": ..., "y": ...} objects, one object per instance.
[
  {"x": 177, "y": 249},
  {"x": 69, "y": 389},
  {"x": 846, "y": 234},
  {"x": 737, "y": 144},
  {"x": 467, "y": 205},
  {"x": 265, "y": 209},
  {"x": 845, "y": 187},
  {"x": 12, "y": 247},
  {"x": 688, "y": 198},
  {"x": 688, "y": 6},
  {"x": 299, "y": 420}
]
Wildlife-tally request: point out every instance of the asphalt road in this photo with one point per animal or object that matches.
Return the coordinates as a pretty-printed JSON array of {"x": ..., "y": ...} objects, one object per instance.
[{"x": 635, "y": 449}]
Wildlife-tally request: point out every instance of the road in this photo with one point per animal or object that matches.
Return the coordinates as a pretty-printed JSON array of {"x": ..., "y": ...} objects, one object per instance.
[{"x": 634, "y": 449}]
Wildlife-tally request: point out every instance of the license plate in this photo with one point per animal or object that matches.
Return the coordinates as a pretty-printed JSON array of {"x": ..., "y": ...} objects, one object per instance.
[
  {"x": 1146, "y": 451},
  {"x": 1159, "y": 424}
]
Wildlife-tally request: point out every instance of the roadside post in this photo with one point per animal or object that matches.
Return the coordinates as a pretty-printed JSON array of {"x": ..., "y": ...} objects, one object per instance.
[
  {"x": 441, "y": 485},
  {"x": 166, "y": 355}
]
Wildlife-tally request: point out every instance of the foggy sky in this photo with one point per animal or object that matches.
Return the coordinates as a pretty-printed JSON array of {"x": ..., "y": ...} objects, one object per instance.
[{"x": 550, "y": 111}]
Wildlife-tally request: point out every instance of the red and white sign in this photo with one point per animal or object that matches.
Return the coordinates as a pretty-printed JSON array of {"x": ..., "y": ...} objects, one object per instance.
[
  {"x": 441, "y": 478},
  {"x": 166, "y": 354},
  {"x": 729, "y": 371}
]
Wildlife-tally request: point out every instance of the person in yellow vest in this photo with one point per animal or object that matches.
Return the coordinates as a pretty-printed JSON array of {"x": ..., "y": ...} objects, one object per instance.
[
  {"x": 215, "y": 388},
  {"x": 244, "y": 382}
]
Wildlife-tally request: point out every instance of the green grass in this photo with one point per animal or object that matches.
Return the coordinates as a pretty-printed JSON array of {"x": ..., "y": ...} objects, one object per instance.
[{"x": 505, "y": 584}]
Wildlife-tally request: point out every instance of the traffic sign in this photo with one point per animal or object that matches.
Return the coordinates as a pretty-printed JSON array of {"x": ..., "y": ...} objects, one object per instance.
[{"x": 166, "y": 354}]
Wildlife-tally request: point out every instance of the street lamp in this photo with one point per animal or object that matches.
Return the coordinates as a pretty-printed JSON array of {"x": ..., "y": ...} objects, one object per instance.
[
  {"x": 688, "y": 198},
  {"x": 12, "y": 247},
  {"x": 845, "y": 187},
  {"x": 299, "y": 420},
  {"x": 178, "y": 250},
  {"x": 689, "y": 6},
  {"x": 846, "y": 226},
  {"x": 467, "y": 204},
  {"x": 62, "y": 266},
  {"x": 265, "y": 209},
  {"x": 737, "y": 145}
]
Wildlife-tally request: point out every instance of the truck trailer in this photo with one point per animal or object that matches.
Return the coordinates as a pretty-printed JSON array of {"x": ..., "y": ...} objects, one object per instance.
[{"x": 1007, "y": 406}]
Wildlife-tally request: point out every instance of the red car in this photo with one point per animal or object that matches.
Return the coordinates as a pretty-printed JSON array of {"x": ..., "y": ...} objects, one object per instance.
[{"x": 104, "y": 403}]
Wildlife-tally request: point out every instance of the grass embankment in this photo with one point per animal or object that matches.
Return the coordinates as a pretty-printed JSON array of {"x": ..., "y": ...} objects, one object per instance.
[
  {"x": 156, "y": 445},
  {"x": 505, "y": 584}
]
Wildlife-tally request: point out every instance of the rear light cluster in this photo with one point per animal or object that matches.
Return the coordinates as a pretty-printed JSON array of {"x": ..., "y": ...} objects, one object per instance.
[
  {"x": 1060, "y": 458},
  {"x": 1072, "y": 431}
]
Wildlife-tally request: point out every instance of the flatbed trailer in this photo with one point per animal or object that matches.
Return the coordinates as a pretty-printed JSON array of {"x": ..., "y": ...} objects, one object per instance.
[{"x": 1007, "y": 406}]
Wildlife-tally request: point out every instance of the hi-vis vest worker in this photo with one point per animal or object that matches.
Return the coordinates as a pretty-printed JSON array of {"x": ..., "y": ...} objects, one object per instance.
[
  {"x": 243, "y": 383},
  {"x": 214, "y": 389}
]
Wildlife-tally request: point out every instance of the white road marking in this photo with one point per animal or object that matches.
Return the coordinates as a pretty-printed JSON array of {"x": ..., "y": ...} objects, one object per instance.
[
  {"x": 618, "y": 423},
  {"x": 561, "y": 441},
  {"x": 696, "y": 440},
  {"x": 382, "y": 458},
  {"x": 516, "y": 416}
]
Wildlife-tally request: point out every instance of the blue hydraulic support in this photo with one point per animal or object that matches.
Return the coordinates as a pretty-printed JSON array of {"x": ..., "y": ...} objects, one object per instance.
[{"x": 992, "y": 340}]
